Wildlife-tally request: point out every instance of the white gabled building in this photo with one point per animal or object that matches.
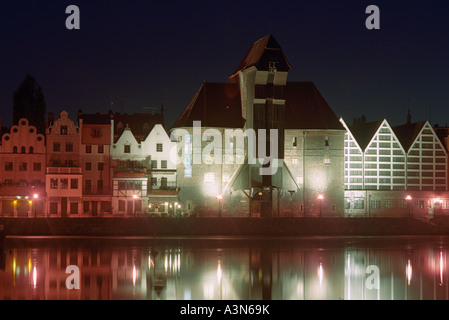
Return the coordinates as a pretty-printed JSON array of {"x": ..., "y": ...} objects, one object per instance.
[
  {"x": 397, "y": 170},
  {"x": 144, "y": 172}
]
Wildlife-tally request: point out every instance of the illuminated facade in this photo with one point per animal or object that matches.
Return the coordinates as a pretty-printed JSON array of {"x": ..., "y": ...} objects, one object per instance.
[
  {"x": 144, "y": 175},
  {"x": 385, "y": 164},
  {"x": 22, "y": 171},
  {"x": 63, "y": 172},
  {"x": 96, "y": 163},
  {"x": 306, "y": 154}
]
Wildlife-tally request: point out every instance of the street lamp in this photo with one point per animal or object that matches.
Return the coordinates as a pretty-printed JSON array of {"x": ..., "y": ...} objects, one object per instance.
[
  {"x": 35, "y": 197},
  {"x": 409, "y": 198},
  {"x": 219, "y": 198},
  {"x": 320, "y": 198},
  {"x": 136, "y": 197}
]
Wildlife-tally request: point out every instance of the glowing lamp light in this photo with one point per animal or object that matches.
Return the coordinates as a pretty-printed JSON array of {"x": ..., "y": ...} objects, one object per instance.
[
  {"x": 35, "y": 196},
  {"x": 409, "y": 197},
  {"x": 320, "y": 197},
  {"x": 135, "y": 196},
  {"x": 219, "y": 196}
]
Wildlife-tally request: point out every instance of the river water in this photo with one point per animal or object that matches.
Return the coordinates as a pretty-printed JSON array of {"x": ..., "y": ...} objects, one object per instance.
[{"x": 325, "y": 268}]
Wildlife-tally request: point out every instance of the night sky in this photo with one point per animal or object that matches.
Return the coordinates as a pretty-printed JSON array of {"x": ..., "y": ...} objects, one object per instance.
[{"x": 140, "y": 54}]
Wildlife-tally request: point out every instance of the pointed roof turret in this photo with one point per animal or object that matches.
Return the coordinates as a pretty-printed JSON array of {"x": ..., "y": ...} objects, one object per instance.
[{"x": 261, "y": 53}]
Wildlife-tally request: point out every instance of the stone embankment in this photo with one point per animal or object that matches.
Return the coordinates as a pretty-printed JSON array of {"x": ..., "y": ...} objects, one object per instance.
[{"x": 191, "y": 227}]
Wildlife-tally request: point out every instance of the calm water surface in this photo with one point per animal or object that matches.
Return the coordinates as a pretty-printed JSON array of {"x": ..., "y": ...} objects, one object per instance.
[{"x": 225, "y": 268}]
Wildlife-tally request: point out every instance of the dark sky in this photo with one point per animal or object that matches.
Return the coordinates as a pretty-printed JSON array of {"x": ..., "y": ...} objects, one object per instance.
[{"x": 144, "y": 53}]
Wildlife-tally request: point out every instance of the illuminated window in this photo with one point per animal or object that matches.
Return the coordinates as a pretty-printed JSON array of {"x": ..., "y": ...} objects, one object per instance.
[
  {"x": 53, "y": 183},
  {"x": 64, "y": 183},
  {"x": 389, "y": 204},
  {"x": 64, "y": 130},
  {"x": 326, "y": 160},
  {"x": 359, "y": 204},
  {"x": 294, "y": 161},
  {"x": 375, "y": 204},
  {"x": 209, "y": 177}
]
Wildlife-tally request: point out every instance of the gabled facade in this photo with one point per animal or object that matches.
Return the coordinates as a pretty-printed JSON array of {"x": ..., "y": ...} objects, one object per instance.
[
  {"x": 22, "y": 171},
  {"x": 63, "y": 172},
  {"x": 95, "y": 161},
  {"x": 408, "y": 161}
]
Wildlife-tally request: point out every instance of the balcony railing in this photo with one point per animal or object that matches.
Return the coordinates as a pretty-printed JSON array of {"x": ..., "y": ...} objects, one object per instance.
[{"x": 63, "y": 170}]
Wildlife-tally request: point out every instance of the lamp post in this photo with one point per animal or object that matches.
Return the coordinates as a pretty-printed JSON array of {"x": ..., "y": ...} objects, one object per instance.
[
  {"x": 35, "y": 197},
  {"x": 409, "y": 198},
  {"x": 320, "y": 199},
  {"x": 219, "y": 198}
]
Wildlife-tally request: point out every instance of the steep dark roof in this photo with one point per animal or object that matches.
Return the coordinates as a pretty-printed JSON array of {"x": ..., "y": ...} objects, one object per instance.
[
  {"x": 215, "y": 105},
  {"x": 306, "y": 108},
  {"x": 365, "y": 132},
  {"x": 96, "y": 118},
  {"x": 140, "y": 124},
  {"x": 261, "y": 52},
  {"x": 219, "y": 105},
  {"x": 407, "y": 133}
]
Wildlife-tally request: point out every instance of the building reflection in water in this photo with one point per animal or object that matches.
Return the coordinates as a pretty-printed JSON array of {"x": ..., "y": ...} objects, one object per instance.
[{"x": 361, "y": 269}]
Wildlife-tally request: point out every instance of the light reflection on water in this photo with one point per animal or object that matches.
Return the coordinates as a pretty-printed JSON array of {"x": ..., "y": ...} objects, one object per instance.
[{"x": 382, "y": 268}]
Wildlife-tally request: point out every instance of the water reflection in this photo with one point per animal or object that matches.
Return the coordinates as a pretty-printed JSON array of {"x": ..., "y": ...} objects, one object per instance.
[{"x": 253, "y": 269}]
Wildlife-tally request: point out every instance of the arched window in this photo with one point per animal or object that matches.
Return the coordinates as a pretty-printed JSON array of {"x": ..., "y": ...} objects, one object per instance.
[
  {"x": 14, "y": 149},
  {"x": 22, "y": 150},
  {"x": 31, "y": 149}
]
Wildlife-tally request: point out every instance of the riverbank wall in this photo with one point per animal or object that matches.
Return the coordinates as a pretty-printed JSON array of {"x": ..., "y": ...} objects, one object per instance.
[{"x": 261, "y": 227}]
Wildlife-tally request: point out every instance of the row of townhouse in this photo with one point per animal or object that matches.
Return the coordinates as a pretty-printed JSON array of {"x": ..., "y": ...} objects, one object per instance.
[
  {"x": 92, "y": 167},
  {"x": 123, "y": 165}
]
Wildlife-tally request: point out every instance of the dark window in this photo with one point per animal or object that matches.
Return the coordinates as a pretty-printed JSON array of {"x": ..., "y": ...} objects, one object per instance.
[
  {"x": 22, "y": 166},
  {"x": 56, "y": 146},
  {"x": 164, "y": 164},
  {"x": 100, "y": 166},
  {"x": 69, "y": 147},
  {"x": 159, "y": 147},
  {"x": 88, "y": 148},
  {"x": 88, "y": 166},
  {"x": 101, "y": 148},
  {"x": 31, "y": 150},
  {"x": 22, "y": 150},
  {"x": 36, "y": 166},
  {"x": 73, "y": 183},
  {"x": 64, "y": 130},
  {"x": 8, "y": 166},
  {"x": 127, "y": 148}
]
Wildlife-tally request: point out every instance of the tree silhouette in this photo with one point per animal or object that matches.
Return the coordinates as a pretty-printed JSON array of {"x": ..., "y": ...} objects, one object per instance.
[{"x": 29, "y": 103}]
